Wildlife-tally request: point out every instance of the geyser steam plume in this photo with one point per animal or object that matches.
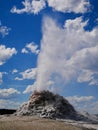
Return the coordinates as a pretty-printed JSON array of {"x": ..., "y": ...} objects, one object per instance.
[{"x": 62, "y": 50}]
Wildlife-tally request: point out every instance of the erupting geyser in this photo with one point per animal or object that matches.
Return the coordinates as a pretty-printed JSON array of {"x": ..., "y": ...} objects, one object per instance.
[{"x": 60, "y": 53}]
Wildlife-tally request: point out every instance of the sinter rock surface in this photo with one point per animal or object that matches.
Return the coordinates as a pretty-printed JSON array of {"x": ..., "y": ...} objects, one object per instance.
[{"x": 48, "y": 105}]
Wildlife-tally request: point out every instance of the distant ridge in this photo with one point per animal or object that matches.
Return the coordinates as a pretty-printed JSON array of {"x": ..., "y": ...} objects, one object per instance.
[{"x": 7, "y": 111}]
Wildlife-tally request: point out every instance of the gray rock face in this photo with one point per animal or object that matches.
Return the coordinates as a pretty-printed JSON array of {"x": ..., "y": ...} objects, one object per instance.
[{"x": 48, "y": 105}]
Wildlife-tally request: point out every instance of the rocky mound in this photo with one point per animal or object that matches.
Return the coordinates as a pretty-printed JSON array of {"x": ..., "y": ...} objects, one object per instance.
[{"x": 48, "y": 105}]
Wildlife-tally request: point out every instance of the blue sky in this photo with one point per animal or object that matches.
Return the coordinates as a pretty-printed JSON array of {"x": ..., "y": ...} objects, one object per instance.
[{"x": 49, "y": 44}]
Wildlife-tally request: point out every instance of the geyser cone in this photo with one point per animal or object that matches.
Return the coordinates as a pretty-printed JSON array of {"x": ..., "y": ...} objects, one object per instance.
[{"x": 47, "y": 104}]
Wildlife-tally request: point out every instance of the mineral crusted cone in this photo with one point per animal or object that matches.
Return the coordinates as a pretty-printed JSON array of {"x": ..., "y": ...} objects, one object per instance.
[{"x": 48, "y": 105}]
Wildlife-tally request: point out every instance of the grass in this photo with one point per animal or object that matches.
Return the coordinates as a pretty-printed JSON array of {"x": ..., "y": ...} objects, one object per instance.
[{"x": 29, "y": 123}]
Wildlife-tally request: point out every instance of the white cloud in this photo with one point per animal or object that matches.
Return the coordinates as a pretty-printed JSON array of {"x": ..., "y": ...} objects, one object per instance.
[
  {"x": 88, "y": 76},
  {"x": 8, "y": 93},
  {"x": 28, "y": 74},
  {"x": 85, "y": 76},
  {"x": 6, "y": 53},
  {"x": 14, "y": 71},
  {"x": 30, "y": 6},
  {"x": 4, "y": 30},
  {"x": 24, "y": 50},
  {"x": 79, "y": 6},
  {"x": 94, "y": 82},
  {"x": 85, "y": 54},
  {"x": 66, "y": 53},
  {"x": 30, "y": 47},
  {"x": 9, "y": 104},
  {"x": 35, "y": 6},
  {"x": 80, "y": 99},
  {"x": 88, "y": 66},
  {"x": 84, "y": 103}
]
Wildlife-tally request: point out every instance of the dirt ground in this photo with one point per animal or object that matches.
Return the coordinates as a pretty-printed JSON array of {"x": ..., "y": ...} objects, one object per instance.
[{"x": 33, "y": 123}]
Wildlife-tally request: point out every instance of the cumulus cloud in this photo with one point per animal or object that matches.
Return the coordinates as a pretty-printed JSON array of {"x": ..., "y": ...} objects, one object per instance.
[
  {"x": 79, "y": 6},
  {"x": 31, "y": 47},
  {"x": 8, "y": 93},
  {"x": 86, "y": 59},
  {"x": 35, "y": 6},
  {"x": 6, "y": 53},
  {"x": 4, "y": 30},
  {"x": 28, "y": 74},
  {"x": 85, "y": 54},
  {"x": 30, "y": 6},
  {"x": 63, "y": 49}
]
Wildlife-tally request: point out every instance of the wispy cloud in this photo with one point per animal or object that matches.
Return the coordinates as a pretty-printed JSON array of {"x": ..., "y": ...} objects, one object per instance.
[
  {"x": 80, "y": 98},
  {"x": 29, "y": 89},
  {"x": 8, "y": 93},
  {"x": 9, "y": 104},
  {"x": 31, "y": 48},
  {"x": 35, "y": 6},
  {"x": 14, "y": 71},
  {"x": 4, "y": 30},
  {"x": 84, "y": 103},
  {"x": 1, "y": 78},
  {"x": 6, "y": 53}
]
